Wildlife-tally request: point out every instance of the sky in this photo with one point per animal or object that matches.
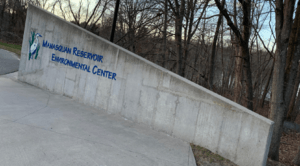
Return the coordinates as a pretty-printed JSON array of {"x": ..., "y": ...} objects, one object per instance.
[{"x": 265, "y": 32}]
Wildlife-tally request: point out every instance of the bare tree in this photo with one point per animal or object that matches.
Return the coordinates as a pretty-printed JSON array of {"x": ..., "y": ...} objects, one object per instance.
[
  {"x": 284, "y": 19},
  {"x": 137, "y": 20},
  {"x": 213, "y": 50},
  {"x": 178, "y": 9},
  {"x": 243, "y": 39}
]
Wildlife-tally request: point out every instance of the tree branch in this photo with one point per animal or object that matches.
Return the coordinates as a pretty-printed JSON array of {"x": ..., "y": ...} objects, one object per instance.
[{"x": 229, "y": 22}]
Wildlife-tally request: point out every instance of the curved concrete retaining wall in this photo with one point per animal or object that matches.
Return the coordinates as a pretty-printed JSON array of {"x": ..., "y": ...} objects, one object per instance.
[{"x": 109, "y": 77}]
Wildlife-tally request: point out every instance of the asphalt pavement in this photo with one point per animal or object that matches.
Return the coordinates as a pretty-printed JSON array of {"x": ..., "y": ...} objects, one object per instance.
[{"x": 9, "y": 62}]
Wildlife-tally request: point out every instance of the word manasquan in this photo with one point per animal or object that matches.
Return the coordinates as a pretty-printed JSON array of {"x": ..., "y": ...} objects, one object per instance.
[{"x": 76, "y": 52}]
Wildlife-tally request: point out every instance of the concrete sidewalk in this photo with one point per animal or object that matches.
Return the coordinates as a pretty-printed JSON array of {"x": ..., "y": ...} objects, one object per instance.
[{"x": 40, "y": 128}]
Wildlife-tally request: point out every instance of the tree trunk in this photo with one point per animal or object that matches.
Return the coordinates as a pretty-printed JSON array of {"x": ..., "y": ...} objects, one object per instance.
[
  {"x": 296, "y": 110},
  {"x": 245, "y": 51},
  {"x": 277, "y": 102},
  {"x": 189, "y": 16},
  {"x": 296, "y": 160},
  {"x": 284, "y": 15},
  {"x": 178, "y": 37},
  {"x": 266, "y": 90},
  {"x": 213, "y": 51},
  {"x": 238, "y": 62},
  {"x": 222, "y": 55},
  {"x": 248, "y": 76},
  {"x": 165, "y": 53},
  {"x": 292, "y": 102},
  {"x": 2, "y": 14},
  {"x": 293, "y": 57}
]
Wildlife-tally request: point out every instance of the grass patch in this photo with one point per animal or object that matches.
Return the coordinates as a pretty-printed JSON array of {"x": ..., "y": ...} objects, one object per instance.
[{"x": 11, "y": 47}]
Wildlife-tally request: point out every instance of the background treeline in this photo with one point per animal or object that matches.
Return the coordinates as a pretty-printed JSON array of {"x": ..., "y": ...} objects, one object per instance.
[{"x": 244, "y": 50}]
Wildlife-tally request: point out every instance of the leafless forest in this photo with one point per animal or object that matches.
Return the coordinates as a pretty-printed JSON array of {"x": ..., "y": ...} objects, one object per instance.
[{"x": 245, "y": 50}]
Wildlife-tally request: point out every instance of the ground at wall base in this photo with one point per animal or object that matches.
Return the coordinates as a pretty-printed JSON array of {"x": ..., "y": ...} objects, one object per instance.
[
  {"x": 205, "y": 157},
  {"x": 274, "y": 163},
  {"x": 290, "y": 140}
]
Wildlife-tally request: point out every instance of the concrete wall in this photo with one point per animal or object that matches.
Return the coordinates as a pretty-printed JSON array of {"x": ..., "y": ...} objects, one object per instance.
[{"x": 141, "y": 91}]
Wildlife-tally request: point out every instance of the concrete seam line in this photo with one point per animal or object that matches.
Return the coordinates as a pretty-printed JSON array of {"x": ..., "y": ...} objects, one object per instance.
[
  {"x": 196, "y": 124},
  {"x": 174, "y": 115},
  {"x": 34, "y": 111},
  {"x": 237, "y": 144},
  {"x": 221, "y": 131},
  {"x": 189, "y": 155},
  {"x": 117, "y": 57}
]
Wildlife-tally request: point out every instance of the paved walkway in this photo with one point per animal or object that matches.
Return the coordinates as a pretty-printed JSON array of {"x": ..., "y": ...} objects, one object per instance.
[
  {"x": 9, "y": 62},
  {"x": 38, "y": 128}
]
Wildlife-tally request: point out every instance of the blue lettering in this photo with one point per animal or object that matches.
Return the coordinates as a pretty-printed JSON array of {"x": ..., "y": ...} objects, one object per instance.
[
  {"x": 71, "y": 63},
  {"x": 88, "y": 69},
  {"x": 99, "y": 72},
  {"x": 81, "y": 53},
  {"x": 63, "y": 49},
  {"x": 82, "y": 66},
  {"x": 90, "y": 56},
  {"x": 45, "y": 43},
  {"x": 100, "y": 58},
  {"x": 60, "y": 48},
  {"x": 69, "y": 50},
  {"x": 57, "y": 59},
  {"x": 74, "y": 50},
  {"x": 114, "y": 76},
  {"x": 66, "y": 61},
  {"x": 56, "y": 47},
  {"x": 93, "y": 71},
  {"x": 95, "y": 57},
  {"x": 62, "y": 60},
  {"x": 106, "y": 73},
  {"x": 53, "y": 57},
  {"x": 109, "y": 75},
  {"x": 78, "y": 53},
  {"x": 76, "y": 65},
  {"x": 51, "y": 46},
  {"x": 102, "y": 73}
]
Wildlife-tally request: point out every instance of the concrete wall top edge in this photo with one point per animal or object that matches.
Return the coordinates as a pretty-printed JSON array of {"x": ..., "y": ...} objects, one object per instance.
[{"x": 268, "y": 121}]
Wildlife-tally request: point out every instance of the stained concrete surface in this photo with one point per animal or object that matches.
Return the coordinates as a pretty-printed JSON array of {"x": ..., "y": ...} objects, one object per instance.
[
  {"x": 9, "y": 62},
  {"x": 41, "y": 128}
]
